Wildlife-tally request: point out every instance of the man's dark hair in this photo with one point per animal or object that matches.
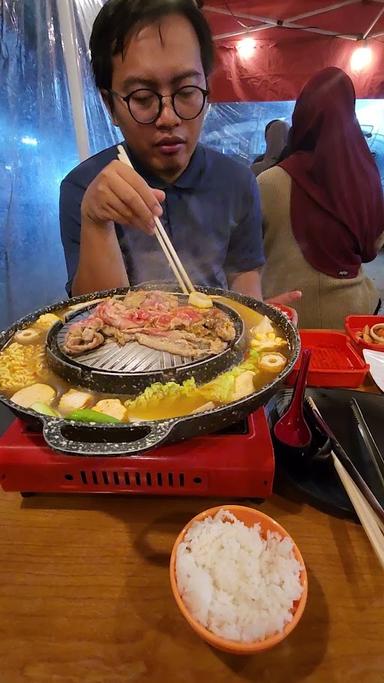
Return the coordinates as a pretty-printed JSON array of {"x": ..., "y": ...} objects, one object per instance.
[{"x": 118, "y": 19}]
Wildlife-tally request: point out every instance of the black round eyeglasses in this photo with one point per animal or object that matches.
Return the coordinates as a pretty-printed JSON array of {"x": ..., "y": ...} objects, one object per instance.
[{"x": 146, "y": 105}]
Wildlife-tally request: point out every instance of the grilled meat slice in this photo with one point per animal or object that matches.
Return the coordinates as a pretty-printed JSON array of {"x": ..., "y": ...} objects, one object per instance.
[
  {"x": 122, "y": 337},
  {"x": 84, "y": 336},
  {"x": 153, "y": 300},
  {"x": 221, "y": 324},
  {"x": 134, "y": 299},
  {"x": 182, "y": 343},
  {"x": 177, "y": 347},
  {"x": 156, "y": 300}
]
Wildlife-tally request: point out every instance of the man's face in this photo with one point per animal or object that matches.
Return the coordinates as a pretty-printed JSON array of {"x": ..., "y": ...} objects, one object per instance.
[{"x": 163, "y": 56}]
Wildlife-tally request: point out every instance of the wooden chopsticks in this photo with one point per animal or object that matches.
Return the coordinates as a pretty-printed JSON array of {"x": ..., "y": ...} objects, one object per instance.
[
  {"x": 371, "y": 524},
  {"x": 175, "y": 264},
  {"x": 368, "y": 513}
]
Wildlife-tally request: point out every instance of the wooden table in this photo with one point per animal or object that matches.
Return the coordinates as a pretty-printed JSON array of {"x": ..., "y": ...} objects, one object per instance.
[{"x": 85, "y": 597}]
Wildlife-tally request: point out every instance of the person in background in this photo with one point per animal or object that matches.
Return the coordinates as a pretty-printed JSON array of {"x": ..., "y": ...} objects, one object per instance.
[
  {"x": 276, "y": 138},
  {"x": 323, "y": 210},
  {"x": 151, "y": 61}
]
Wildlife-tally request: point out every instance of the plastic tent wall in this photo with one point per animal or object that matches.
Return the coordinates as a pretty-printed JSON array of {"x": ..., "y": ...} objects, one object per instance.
[
  {"x": 38, "y": 139},
  {"x": 38, "y": 148}
]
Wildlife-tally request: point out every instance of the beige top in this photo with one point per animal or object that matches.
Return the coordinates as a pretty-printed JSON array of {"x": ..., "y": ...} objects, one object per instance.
[
  {"x": 276, "y": 138},
  {"x": 326, "y": 300}
]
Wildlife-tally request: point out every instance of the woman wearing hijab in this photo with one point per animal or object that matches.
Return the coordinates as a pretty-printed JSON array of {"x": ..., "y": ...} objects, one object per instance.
[
  {"x": 276, "y": 137},
  {"x": 323, "y": 209}
]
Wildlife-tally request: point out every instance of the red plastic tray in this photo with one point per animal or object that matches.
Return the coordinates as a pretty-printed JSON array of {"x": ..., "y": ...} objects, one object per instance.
[
  {"x": 334, "y": 361},
  {"x": 355, "y": 323}
]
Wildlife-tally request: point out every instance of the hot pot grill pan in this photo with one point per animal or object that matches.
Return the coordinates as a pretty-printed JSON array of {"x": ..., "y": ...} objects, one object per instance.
[{"x": 106, "y": 440}]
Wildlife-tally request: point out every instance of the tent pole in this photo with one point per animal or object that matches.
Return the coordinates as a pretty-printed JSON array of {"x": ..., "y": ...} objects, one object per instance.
[
  {"x": 300, "y": 27},
  {"x": 323, "y": 10},
  {"x": 267, "y": 23},
  {"x": 240, "y": 15},
  {"x": 72, "y": 65},
  {"x": 373, "y": 24}
]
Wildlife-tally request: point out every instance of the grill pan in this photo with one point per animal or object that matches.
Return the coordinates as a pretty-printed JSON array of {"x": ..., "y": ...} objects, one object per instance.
[
  {"x": 134, "y": 438},
  {"x": 129, "y": 369}
]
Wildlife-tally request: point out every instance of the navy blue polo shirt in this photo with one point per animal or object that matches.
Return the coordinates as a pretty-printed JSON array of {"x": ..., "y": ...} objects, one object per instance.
[{"x": 211, "y": 214}]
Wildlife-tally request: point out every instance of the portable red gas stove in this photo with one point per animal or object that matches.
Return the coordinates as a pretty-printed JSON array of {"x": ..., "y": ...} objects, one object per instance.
[{"x": 236, "y": 462}]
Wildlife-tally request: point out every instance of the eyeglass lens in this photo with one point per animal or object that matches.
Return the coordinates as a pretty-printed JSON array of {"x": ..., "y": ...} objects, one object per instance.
[{"x": 145, "y": 105}]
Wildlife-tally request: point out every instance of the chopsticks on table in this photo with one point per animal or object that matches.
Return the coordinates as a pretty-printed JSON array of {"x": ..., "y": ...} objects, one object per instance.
[
  {"x": 372, "y": 525},
  {"x": 176, "y": 266},
  {"x": 366, "y": 506}
]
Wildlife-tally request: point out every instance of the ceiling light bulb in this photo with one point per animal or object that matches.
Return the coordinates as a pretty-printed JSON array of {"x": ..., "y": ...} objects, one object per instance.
[
  {"x": 361, "y": 58},
  {"x": 245, "y": 47}
]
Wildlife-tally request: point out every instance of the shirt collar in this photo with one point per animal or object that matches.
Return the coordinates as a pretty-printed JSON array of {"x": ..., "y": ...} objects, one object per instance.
[{"x": 188, "y": 180}]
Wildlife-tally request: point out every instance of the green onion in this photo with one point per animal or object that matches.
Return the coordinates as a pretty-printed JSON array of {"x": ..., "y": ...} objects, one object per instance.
[{"x": 89, "y": 415}]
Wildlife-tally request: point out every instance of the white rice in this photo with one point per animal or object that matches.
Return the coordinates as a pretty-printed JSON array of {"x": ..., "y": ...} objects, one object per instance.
[{"x": 234, "y": 582}]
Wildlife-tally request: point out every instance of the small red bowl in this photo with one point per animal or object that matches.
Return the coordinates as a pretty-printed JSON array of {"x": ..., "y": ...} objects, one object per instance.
[
  {"x": 356, "y": 323},
  {"x": 291, "y": 313}
]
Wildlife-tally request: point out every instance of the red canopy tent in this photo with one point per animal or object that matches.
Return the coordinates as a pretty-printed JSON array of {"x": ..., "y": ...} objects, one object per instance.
[{"x": 292, "y": 40}]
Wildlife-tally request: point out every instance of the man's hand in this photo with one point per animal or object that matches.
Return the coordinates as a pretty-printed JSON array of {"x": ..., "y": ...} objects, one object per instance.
[
  {"x": 286, "y": 298},
  {"x": 121, "y": 195}
]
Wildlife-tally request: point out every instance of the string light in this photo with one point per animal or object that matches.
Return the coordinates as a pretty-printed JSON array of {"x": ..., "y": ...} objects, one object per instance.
[
  {"x": 361, "y": 58},
  {"x": 28, "y": 140},
  {"x": 245, "y": 47}
]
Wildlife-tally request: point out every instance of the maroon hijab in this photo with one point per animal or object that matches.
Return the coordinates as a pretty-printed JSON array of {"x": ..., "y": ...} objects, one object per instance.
[{"x": 337, "y": 208}]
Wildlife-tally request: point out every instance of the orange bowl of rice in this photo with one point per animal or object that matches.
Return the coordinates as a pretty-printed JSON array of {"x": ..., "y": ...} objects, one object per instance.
[{"x": 239, "y": 579}]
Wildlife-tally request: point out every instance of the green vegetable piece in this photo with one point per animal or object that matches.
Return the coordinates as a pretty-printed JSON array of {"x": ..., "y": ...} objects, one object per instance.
[
  {"x": 89, "y": 415},
  {"x": 157, "y": 392},
  {"x": 44, "y": 409}
]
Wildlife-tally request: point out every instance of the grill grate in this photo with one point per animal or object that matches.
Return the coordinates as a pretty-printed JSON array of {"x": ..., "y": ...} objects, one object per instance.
[
  {"x": 132, "y": 357},
  {"x": 131, "y": 368}
]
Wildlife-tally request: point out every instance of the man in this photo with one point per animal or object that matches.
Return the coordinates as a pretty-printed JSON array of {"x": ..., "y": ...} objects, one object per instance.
[{"x": 151, "y": 60}]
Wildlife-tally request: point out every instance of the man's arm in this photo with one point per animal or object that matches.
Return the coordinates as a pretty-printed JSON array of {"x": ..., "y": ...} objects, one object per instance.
[
  {"x": 101, "y": 264},
  {"x": 92, "y": 251},
  {"x": 248, "y": 283}
]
